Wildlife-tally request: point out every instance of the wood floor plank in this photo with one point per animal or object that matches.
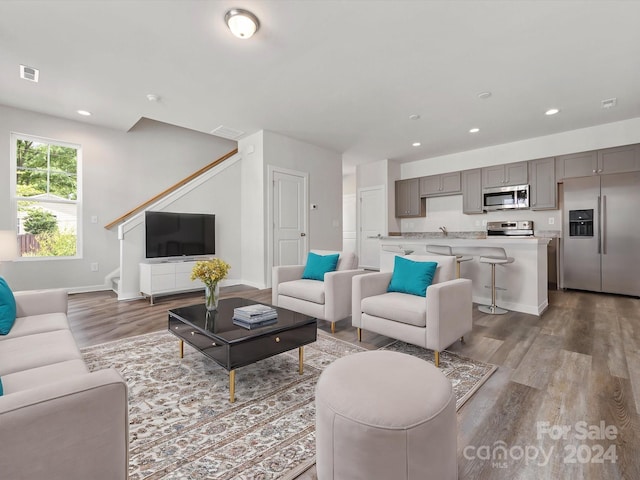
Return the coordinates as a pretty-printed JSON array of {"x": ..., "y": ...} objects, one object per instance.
[{"x": 539, "y": 363}]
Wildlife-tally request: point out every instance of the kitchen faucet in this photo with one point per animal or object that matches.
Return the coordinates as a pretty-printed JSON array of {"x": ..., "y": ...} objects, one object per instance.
[{"x": 444, "y": 231}]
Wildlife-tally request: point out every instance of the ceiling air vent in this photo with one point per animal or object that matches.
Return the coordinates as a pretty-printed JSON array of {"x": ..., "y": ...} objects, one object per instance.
[
  {"x": 226, "y": 132},
  {"x": 29, "y": 73},
  {"x": 609, "y": 103}
]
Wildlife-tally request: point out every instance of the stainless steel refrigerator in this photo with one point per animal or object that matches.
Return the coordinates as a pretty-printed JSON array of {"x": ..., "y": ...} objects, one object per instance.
[{"x": 601, "y": 233}]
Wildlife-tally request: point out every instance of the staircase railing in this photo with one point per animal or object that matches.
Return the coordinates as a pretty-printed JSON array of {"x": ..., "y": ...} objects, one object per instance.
[{"x": 170, "y": 190}]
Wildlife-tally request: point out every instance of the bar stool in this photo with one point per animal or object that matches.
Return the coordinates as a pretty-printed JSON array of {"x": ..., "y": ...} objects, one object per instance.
[
  {"x": 446, "y": 250},
  {"x": 498, "y": 257}
]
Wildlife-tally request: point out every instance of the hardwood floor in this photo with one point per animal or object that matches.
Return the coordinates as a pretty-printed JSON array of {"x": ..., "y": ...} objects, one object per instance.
[{"x": 576, "y": 367}]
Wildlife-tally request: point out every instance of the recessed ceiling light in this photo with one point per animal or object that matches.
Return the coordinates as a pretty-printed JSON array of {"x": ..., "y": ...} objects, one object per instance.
[
  {"x": 484, "y": 95},
  {"x": 474, "y": 130},
  {"x": 84, "y": 113},
  {"x": 552, "y": 111},
  {"x": 416, "y": 144},
  {"x": 242, "y": 23},
  {"x": 415, "y": 116},
  {"x": 152, "y": 97}
]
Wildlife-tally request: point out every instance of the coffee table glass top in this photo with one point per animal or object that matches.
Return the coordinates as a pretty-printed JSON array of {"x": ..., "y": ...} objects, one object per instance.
[{"x": 219, "y": 324}]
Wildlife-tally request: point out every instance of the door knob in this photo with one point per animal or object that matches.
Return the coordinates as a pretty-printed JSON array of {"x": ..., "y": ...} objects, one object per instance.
[{"x": 303, "y": 234}]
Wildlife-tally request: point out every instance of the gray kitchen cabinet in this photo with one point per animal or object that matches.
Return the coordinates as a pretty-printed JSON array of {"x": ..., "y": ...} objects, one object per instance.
[
  {"x": 444, "y": 184},
  {"x": 542, "y": 187},
  {"x": 599, "y": 162},
  {"x": 472, "y": 191},
  {"x": 576, "y": 165},
  {"x": 408, "y": 201},
  {"x": 503, "y": 175},
  {"x": 619, "y": 159}
]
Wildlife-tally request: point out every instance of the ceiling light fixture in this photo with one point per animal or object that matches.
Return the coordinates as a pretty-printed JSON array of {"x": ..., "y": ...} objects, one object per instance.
[
  {"x": 484, "y": 95},
  {"x": 552, "y": 111},
  {"x": 84, "y": 113},
  {"x": 415, "y": 116},
  {"x": 474, "y": 130},
  {"x": 416, "y": 144},
  {"x": 242, "y": 23},
  {"x": 152, "y": 97}
]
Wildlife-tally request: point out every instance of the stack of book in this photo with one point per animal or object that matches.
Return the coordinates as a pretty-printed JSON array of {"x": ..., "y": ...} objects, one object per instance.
[{"x": 254, "y": 316}]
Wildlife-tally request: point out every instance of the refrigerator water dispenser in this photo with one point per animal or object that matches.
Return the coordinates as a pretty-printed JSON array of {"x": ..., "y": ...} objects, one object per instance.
[{"x": 581, "y": 223}]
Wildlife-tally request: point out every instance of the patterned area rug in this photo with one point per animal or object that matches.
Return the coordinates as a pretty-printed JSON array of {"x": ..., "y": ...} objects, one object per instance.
[{"x": 182, "y": 425}]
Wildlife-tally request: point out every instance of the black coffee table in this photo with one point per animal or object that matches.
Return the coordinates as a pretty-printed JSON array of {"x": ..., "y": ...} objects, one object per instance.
[{"x": 215, "y": 335}]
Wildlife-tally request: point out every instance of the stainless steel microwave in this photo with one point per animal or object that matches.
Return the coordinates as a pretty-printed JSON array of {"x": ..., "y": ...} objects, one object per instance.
[{"x": 505, "y": 198}]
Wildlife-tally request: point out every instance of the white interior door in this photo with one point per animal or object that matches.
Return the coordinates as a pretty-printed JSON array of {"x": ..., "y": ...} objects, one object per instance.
[
  {"x": 289, "y": 217},
  {"x": 372, "y": 215}
]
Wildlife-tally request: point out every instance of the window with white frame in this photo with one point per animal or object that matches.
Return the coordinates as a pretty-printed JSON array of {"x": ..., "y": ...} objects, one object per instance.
[{"x": 46, "y": 188}]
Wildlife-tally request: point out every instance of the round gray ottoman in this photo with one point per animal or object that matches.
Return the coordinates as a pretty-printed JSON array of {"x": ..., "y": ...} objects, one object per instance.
[{"x": 385, "y": 415}]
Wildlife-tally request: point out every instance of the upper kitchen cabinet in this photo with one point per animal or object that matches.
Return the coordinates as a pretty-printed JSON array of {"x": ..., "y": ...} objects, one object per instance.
[
  {"x": 408, "y": 201},
  {"x": 619, "y": 159},
  {"x": 445, "y": 184},
  {"x": 543, "y": 186},
  {"x": 503, "y": 175},
  {"x": 576, "y": 165},
  {"x": 472, "y": 191},
  {"x": 599, "y": 162}
]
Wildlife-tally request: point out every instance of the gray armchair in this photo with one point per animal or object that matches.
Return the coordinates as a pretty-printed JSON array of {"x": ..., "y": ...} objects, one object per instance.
[
  {"x": 329, "y": 300},
  {"x": 435, "y": 321}
]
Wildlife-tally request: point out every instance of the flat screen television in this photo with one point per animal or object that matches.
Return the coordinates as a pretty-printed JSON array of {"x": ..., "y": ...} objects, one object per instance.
[{"x": 169, "y": 234}]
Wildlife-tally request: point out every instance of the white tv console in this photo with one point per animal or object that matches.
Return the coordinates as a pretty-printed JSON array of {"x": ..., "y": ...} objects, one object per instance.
[{"x": 167, "y": 278}]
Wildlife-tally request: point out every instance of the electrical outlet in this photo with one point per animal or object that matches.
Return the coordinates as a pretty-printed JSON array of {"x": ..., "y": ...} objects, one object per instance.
[
  {"x": 94, "y": 267},
  {"x": 552, "y": 220}
]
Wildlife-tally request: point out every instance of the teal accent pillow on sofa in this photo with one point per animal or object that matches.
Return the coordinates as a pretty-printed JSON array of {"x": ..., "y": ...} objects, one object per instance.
[
  {"x": 411, "y": 277},
  {"x": 7, "y": 307},
  {"x": 318, "y": 265}
]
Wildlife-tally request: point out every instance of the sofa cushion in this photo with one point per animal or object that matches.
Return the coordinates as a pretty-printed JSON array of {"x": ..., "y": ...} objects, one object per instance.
[
  {"x": 37, "y": 324},
  {"x": 309, "y": 290},
  {"x": 34, "y": 377},
  {"x": 7, "y": 307},
  {"x": 32, "y": 351},
  {"x": 318, "y": 265},
  {"x": 399, "y": 307},
  {"x": 411, "y": 277}
]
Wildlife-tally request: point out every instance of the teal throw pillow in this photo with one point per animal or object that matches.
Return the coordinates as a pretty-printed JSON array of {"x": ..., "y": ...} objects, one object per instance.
[
  {"x": 1, "y": 389},
  {"x": 318, "y": 265},
  {"x": 7, "y": 307},
  {"x": 411, "y": 277}
]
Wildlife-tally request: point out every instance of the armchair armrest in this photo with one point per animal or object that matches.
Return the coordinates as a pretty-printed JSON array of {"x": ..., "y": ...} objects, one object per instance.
[
  {"x": 337, "y": 293},
  {"x": 363, "y": 286},
  {"x": 39, "y": 302},
  {"x": 281, "y": 274},
  {"x": 449, "y": 312},
  {"x": 78, "y": 427}
]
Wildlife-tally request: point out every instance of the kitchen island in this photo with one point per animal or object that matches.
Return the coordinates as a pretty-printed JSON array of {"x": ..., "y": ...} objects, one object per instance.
[{"x": 521, "y": 286}]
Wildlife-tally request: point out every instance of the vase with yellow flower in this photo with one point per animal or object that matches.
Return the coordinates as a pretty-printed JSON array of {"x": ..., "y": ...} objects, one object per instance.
[{"x": 210, "y": 272}]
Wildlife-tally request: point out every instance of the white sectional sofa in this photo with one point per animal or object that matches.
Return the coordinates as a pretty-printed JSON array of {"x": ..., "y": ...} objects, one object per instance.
[{"x": 57, "y": 419}]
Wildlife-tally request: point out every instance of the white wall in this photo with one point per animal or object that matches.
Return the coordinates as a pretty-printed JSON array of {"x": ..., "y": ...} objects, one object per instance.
[
  {"x": 264, "y": 149},
  {"x": 253, "y": 210},
  {"x": 214, "y": 192},
  {"x": 574, "y": 141},
  {"x": 119, "y": 171},
  {"x": 325, "y": 184}
]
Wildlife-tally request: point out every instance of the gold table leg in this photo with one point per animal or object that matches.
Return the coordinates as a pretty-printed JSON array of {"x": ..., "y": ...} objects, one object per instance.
[
  {"x": 301, "y": 360},
  {"x": 333, "y": 327},
  {"x": 181, "y": 348},
  {"x": 232, "y": 386}
]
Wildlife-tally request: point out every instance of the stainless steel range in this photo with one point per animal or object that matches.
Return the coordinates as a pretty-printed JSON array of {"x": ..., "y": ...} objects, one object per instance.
[{"x": 516, "y": 229}]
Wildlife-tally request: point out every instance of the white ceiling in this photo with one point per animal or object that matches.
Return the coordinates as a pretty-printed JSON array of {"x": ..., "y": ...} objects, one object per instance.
[{"x": 344, "y": 75}]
